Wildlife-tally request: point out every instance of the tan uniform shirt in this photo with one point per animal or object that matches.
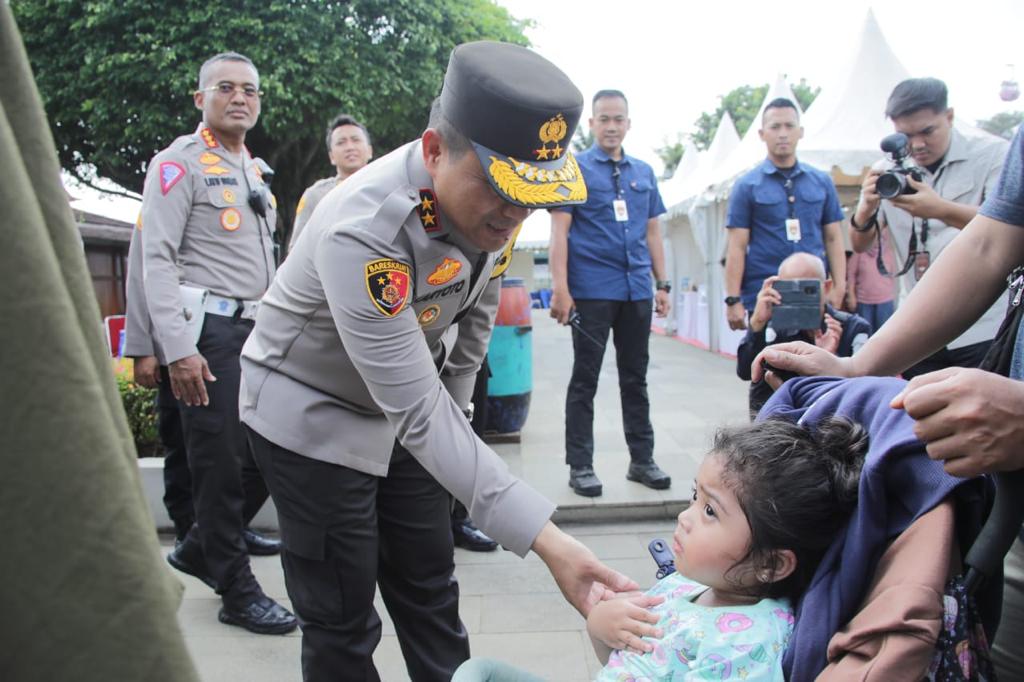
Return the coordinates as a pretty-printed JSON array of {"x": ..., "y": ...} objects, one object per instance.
[
  {"x": 138, "y": 327},
  {"x": 344, "y": 359},
  {"x": 199, "y": 230},
  {"x": 967, "y": 174},
  {"x": 310, "y": 198}
]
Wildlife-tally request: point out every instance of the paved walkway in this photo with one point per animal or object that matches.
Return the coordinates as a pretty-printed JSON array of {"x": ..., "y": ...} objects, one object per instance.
[{"x": 511, "y": 607}]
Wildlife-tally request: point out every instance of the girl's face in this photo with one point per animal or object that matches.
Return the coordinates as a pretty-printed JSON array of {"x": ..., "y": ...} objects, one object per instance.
[{"x": 713, "y": 535}]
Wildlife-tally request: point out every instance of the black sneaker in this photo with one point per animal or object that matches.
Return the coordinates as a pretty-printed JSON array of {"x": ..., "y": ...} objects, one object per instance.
[
  {"x": 650, "y": 474},
  {"x": 584, "y": 481}
]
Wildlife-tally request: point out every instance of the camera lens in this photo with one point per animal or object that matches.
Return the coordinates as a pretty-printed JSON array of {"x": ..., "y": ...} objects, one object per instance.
[{"x": 890, "y": 185}]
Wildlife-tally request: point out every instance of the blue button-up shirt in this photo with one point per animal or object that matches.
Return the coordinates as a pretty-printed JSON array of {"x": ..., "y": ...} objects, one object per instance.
[
  {"x": 609, "y": 259},
  {"x": 760, "y": 203}
]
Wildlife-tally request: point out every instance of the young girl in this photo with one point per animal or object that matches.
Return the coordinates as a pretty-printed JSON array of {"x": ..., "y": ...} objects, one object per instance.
[{"x": 768, "y": 500}]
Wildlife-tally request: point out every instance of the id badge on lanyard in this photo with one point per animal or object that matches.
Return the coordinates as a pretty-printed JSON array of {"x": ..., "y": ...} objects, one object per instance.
[{"x": 619, "y": 202}]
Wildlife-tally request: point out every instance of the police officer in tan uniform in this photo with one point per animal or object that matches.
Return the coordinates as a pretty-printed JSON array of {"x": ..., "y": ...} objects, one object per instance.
[
  {"x": 349, "y": 149},
  {"x": 150, "y": 371},
  {"x": 208, "y": 257},
  {"x": 364, "y": 356}
]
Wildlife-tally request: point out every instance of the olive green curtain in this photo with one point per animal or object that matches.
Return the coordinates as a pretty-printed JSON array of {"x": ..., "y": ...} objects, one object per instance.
[{"x": 84, "y": 593}]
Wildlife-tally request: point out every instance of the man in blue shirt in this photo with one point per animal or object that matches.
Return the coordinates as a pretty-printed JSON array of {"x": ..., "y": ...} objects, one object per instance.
[
  {"x": 779, "y": 208},
  {"x": 602, "y": 255}
]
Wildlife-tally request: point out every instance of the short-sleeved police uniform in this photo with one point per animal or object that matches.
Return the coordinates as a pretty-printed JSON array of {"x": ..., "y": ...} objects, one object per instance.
[{"x": 199, "y": 230}]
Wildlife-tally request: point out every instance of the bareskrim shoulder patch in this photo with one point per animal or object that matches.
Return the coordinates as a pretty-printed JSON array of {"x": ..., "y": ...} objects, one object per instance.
[
  {"x": 427, "y": 210},
  {"x": 388, "y": 283},
  {"x": 170, "y": 174}
]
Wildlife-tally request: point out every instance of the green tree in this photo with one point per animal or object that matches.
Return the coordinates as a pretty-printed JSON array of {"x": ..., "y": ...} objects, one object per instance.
[
  {"x": 1003, "y": 123},
  {"x": 117, "y": 76},
  {"x": 743, "y": 103},
  {"x": 671, "y": 153}
]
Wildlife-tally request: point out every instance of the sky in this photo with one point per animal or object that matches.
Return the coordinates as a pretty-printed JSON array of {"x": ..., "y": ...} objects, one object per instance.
[{"x": 673, "y": 59}]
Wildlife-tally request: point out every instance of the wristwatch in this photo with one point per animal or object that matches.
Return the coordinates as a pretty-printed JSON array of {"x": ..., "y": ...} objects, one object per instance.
[
  {"x": 732, "y": 300},
  {"x": 663, "y": 285}
]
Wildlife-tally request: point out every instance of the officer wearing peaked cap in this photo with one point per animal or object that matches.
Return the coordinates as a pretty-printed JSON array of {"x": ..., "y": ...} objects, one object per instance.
[
  {"x": 207, "y": 257},
  {"x": 363, "y": 359}
]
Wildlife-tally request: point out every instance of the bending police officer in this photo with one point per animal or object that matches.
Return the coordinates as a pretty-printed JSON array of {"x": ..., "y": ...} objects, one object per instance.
[{"x": 364, "y": 357}]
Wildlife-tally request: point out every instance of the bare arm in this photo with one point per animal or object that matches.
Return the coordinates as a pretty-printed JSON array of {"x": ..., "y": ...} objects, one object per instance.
[
  {"x": 836, "y": 252},
  {"x": 558, "y": 262},
  {"x": 662, "y": 303},
  {"x": 735, "y": 261}
]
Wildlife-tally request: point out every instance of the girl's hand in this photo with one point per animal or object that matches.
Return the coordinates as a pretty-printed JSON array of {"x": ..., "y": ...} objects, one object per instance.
[{"x": 621, "y": 623}]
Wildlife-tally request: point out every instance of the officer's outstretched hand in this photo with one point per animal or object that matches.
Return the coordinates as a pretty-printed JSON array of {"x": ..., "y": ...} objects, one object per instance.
[
  {"x": 583, "y": 579},
  {"x": 187, "y": 380},
  {"x": 800, "y": 358},
  {"x": 561, "y": 306}
]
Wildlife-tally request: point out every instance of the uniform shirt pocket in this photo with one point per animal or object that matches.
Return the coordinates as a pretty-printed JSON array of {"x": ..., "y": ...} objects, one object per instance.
[
  {"x": 224, "y": 197},
  {"x": 959, "y": 190}
]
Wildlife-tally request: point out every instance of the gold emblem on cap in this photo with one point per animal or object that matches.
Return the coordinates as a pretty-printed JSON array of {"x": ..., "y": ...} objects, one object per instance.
[
  {"x": 531, "y": 186},
  {"x": 552, "y": 131}
]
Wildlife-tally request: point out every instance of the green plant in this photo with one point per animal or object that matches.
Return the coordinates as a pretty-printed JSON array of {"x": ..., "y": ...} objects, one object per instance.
[{"x": 140, "y": 407}]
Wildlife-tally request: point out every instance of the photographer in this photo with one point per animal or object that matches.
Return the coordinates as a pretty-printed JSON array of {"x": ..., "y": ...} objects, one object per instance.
[
  {"x": 838, "y": 332},
  {"x": 938, "y": 191}
]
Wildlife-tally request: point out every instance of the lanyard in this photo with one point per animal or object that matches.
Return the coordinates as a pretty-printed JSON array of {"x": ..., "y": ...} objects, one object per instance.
[
  {"x": 616, "y": 175},
  {"x": 790, "y": 195}
]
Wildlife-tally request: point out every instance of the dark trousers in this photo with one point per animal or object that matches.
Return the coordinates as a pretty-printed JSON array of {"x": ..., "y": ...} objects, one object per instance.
[
  {"x": 630, "y": 324},
  {"x": 221, "y": 463},
  {"x": 344, "y": 530},
  {"x": 177, "y": 478},
  {"x": 967, "y": 356}
]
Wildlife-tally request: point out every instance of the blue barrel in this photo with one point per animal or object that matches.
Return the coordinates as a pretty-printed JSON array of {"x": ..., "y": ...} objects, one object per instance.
[{"x": 510, "y": 356}]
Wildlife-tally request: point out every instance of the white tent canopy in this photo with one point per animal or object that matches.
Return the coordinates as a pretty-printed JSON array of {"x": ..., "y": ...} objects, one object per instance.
[{"x": 709, "y": 164}]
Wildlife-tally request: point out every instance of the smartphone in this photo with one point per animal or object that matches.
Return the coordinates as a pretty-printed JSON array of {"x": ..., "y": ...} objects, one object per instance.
[{"x": 800, "y": 307}]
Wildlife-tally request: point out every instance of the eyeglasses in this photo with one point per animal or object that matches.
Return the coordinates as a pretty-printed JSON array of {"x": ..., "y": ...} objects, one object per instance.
[{"x": 228, "y": 89}]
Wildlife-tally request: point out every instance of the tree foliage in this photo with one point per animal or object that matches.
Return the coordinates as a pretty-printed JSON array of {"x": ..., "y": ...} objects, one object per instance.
[
  {"x": 1002, "y": 124},
  {"x": 117, "y": 76},
  {"x": 743, "y": 103},
  {"x": 671, "y": 153}
]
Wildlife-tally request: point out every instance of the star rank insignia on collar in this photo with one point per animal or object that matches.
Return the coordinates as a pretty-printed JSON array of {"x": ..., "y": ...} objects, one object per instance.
[
  {"x": 387, "y": 282},
  {"x": 427, "y": 210},
  {"x": 208, "y": 138}
]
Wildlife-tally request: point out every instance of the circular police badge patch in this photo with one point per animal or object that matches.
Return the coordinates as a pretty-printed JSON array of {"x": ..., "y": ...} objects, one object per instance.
[
  {"x": 229, "y": 196},
  {"x": 230, "y": 219},
  {"x": 429, "y": 315}
]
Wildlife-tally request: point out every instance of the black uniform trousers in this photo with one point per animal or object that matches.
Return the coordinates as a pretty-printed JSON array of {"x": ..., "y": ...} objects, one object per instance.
[
  {"x": 344, "y": 530},
  {"x": 177, "y": 478},
  {"x": 221, "y": 462},
  {"x": 630, "y": 324}
]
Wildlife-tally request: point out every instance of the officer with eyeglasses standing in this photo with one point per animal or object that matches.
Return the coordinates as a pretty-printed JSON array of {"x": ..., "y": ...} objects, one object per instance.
[{"x": 208, "y": 222}]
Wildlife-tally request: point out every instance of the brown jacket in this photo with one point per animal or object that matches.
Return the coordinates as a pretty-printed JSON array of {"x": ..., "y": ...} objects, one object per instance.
[{"x": 893, "y": 635}]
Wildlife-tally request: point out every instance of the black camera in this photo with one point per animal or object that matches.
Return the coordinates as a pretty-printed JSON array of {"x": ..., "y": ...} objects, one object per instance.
[{"x": 893, "y": 182}]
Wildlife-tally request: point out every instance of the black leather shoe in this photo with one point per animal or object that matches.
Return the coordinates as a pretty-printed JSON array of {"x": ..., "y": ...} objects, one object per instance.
[
  {"x": 468, "y": 536},
  {"x": 259, "y": 544},
  {"x": 650, "y": 474},
  {"x": 187, "y": 557},
  {"x": 262, "y": 615},
  {"x": 584, "y": 481}
]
